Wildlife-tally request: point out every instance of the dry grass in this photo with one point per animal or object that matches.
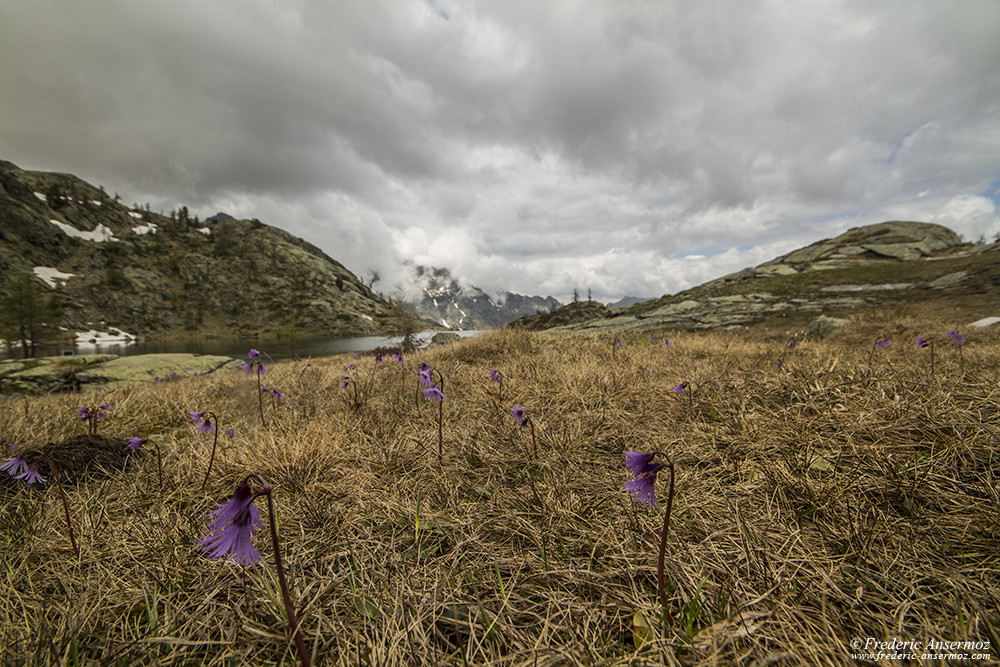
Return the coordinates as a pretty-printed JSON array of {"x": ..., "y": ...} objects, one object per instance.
[{"x": 814, "y": 504}]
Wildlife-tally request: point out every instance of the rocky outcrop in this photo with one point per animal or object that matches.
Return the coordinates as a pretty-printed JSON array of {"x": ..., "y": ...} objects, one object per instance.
[
  {"x": 889, "y": 261},
  {"x": 90, "y": 371}
]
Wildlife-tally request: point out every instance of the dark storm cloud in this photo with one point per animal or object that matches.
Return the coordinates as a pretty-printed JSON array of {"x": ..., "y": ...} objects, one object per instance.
[{"x": 529, "y": 146}]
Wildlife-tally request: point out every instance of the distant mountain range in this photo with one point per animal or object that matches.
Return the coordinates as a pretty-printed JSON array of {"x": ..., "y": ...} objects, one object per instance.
[{"x": 446, "y": 302}]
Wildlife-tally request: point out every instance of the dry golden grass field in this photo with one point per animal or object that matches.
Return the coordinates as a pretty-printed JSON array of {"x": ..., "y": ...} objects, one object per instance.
[{"x": 819, "y": 503}]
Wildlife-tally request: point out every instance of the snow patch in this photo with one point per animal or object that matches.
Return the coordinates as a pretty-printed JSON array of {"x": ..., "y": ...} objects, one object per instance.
[
  {"x": 100, "y": 234},
  {"x": 52, "y": 277},
  {"x": 205, "y": 230},
  {"x": 368, "y": 317},
  {"x": 136, "y": 214},
  {"x": 96, "y": 202},
  {"x": 42, "y": 196},
  {"x": 112, "y": 336},
  {"x": 149, "y": 228},
  {"x": 985, "y": 322}
]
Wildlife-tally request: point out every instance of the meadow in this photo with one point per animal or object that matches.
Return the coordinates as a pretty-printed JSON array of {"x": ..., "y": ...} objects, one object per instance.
[{"x": 849, "y": 494}]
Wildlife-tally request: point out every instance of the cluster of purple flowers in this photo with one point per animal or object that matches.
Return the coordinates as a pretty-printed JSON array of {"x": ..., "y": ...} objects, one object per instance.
[
  {"x": 273, "y": 392},
  {"x": 18, "y": 468},
  {"x": 93, "y": 415},
  {"x": 204, "y": 423},
  {"x": 254, "y": 363},
  {"x": 432, "y": 391}
]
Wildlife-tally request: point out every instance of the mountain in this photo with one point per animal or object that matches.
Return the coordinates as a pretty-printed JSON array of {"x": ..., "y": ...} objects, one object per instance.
[
  {"x": 445, "y": 301},
  {"x": 627, "y": 301},
  {"x": 154, "y": 274},
  {"x": 890, "y": 262}
]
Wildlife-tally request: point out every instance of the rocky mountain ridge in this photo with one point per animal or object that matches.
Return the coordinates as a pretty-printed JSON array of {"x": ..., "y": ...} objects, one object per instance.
[
  {"x": 892, "y": 261},
  {"x": 446, "y": 302},
  {"x": 153, "y": 274}
]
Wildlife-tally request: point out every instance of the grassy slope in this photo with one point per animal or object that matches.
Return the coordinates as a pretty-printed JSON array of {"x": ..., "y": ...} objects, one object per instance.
[{"x": 814, "y": 504}]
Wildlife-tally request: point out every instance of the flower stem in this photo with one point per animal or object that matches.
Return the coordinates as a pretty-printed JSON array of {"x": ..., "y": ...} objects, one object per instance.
[
  {"x": 62, "y": 493},
  {"x": 661, "y": 584},
  {"x": 534, "y": 443},
  {"x": 215, "y": 442},
  {"x": 260, "y": 397},
  {"x": 293, "y": 625}
]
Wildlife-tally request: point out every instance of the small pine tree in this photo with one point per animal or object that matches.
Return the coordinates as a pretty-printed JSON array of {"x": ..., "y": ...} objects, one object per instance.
[{"x": 29, "y": 316}]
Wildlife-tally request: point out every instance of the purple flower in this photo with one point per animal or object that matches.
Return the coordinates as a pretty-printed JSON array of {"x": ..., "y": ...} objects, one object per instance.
[
  {"x": 84, "y": 414},
  {"x": 136, "y": 443},
  {"x": 15, "y": 467},
  {"x": 398, "y": 357},
  {"x": 792, "y": 344},
  {"x": 277, "y": 394},
  {"x": 350, "y": 367},
  {"x": 253, "y": 354},
  {"x": 232, "y": 526},
  {"x": 666, "y": 342},
  {"x": 230, "y": 433},
  {"x": 517, "y": 412},
  {"x": 424, "y": 375},
  {"x": 433, "y": 394},
  {"x": 956, "y": 338},
  {"x": 31, "y": 476},
  {"x": 652, "y": 338},
  {"x": 205, "y": 426},
  {"x": 378, "y": 358},
  {"x": 354, "y": 356},
  {"x": 921, "y": 342},
  {"x": 343, "y": 382},
  {"x": 882, "y": 344},
  {"x": 496, "y": 376},
  {"x": 618, "y": 341},
  {"x": 643, "y": 469},
  {"x": 681, "y": 387},
  {"x": 247, "y": 368}
]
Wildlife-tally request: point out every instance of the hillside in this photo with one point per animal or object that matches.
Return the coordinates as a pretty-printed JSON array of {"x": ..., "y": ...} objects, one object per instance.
[
  {"x": 119, "y": 266},
  {"x": 886, "y": 263}
]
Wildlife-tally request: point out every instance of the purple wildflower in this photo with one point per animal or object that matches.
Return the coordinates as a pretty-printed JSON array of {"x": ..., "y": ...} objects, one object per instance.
[
  {"x": 378, "y": 358},
  {"x": 643, "y": 469},
  {"x": 517, "y": 412},
  {"x": 232, "y": 526},
  {"x": 882, "y": 344},
  {"x": 424, "y": 374},
  {"x": 205, "y": 426},
  {"x": 681, "y": 387},
  {"x": 15, "y": 466},
  {"x": 956, "y": 338},
  {"x": 231, "y": 433},
  {"x": 433, "y": 394},
  {"x": 922, "y": 342},
  {"x": 31, "y": 476},
  {"x": 792, "y": 344},
  {"x": 652, "y": 338},
  {"x": 397, "y": 357},
  {"x": 195, "y": 416},
  {"x": 136, "y": 443},
  {"x": 343, "y": 382},
  {"x": 666, "y": 342},
  {"x": 495, "y": 376},
  {"x": 253, "y": 354}
]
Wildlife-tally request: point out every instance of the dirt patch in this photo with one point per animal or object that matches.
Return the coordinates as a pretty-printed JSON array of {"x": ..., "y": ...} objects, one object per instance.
[{"x": 81, "y": 458}]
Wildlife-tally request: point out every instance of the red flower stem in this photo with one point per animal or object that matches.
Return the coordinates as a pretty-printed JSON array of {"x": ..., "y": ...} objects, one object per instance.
[
  {"x": 159, "y": 466},
  {"x": 260, "y": 397},
  {"x": 62, "y": 493},
  {"x": 440, "y": 436},
  {"x": 661, "y": 583},
  {"x": 293, "y": 625},
  {"x": 215, "y": 442},
  {"x": 534, "y": 443}
]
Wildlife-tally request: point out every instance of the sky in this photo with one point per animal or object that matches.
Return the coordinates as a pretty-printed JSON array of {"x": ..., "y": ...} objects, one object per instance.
[{"x": 625, "y": 147}]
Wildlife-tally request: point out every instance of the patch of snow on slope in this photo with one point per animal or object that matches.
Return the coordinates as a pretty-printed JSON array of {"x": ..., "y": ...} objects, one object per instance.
[
  {"x": 42, "y": 196},
  {"x": 100, "y": 234},
  {"x": 149, "y": 228},
  {"x": 136, "y": 214},
  {"x": 111, "y": 336},
  {"x": 205, "y": 230},
  {"x": 52, "y": 277}
]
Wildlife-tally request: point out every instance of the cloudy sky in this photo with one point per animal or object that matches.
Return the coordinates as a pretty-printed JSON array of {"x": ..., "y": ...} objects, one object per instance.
[{"x": 626, "y": 147}]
